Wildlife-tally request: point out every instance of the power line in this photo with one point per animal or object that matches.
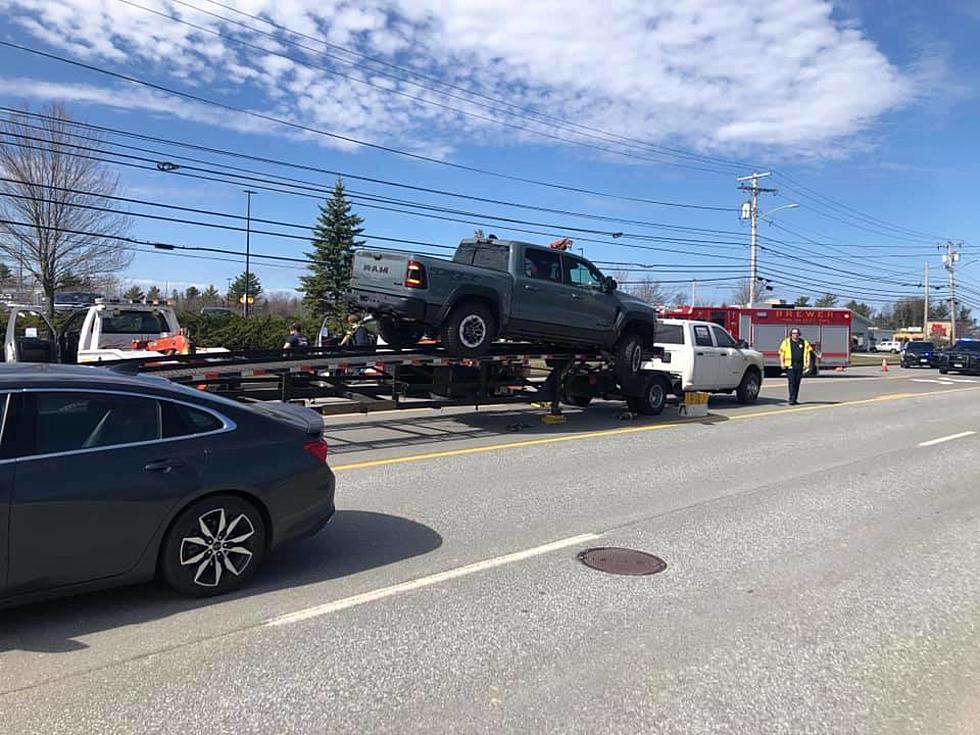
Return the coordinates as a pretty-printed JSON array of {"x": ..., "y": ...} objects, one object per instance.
[{"x": 319, "y": 131}]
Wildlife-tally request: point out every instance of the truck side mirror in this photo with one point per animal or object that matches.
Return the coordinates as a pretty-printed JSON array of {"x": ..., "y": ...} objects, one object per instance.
[
  {"x": 609, "y": 284},
  {"x": 743, "y": 345}
]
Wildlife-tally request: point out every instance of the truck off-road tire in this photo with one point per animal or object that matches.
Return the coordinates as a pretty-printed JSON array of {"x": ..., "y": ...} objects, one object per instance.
[
  {"x": 748, "y": 390},
  {"x": 214, "y": 546},
  {"x": 399, "y": 334},
  {"x": 469, "y": 330},
  {"x": 629, "y": 359}
]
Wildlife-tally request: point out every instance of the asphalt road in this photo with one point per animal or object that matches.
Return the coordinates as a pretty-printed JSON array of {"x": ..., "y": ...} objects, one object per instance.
[{"x": 822, "y": 578}]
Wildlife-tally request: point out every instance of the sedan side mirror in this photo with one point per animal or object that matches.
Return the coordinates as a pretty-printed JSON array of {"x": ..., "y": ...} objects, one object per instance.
[{"x": 609, "y": 284}]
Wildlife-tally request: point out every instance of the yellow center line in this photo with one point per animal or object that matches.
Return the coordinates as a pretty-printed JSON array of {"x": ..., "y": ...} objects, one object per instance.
[{"x": 636, "y": 430}]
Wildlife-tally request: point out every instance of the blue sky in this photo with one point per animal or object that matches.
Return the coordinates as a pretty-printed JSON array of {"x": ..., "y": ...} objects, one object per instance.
[{"x": 872, "y": 104}]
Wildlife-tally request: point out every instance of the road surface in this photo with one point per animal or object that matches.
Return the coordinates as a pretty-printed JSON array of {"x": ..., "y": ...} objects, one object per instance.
[{"x": 821, "y": 577}]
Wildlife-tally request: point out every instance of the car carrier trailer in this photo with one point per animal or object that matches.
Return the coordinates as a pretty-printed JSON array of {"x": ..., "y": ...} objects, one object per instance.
[{"x": 336, "y": 382}]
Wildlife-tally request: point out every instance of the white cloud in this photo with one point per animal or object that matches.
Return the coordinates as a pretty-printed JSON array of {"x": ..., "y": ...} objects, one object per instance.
[{"x": 706, "y": 74}]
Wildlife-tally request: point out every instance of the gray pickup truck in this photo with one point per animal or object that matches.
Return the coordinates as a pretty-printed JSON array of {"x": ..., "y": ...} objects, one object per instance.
[{"x": 496, "y": 289}]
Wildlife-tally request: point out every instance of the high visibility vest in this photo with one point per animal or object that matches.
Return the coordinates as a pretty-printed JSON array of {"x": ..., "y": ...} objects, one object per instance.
[{"x": 786, "y": 353}]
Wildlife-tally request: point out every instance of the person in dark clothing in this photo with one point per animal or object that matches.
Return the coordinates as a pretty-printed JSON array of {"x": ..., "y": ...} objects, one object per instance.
[
  {"x": 295, "y": 339},
  {"x": 795, "y": 354}
]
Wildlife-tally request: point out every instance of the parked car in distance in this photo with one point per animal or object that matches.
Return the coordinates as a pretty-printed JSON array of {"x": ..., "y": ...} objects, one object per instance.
[
  {"x": 702, "y": 356},
  {"x": 218, "y": 311},
  {"x": 962, "y": 357},
  {"x": 69, "y": 301},
  {"x": 889, "y": 345},
  {"x": 501, "y": 289},
  {"x": 108, "y": 479},
  {"x": 920, "y": 353}
]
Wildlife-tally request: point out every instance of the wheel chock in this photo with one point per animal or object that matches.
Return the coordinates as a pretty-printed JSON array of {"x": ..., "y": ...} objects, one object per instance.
[{"x": 554, "y": 418}]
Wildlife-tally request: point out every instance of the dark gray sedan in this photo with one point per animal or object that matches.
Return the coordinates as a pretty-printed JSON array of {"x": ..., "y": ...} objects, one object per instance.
[{"x": 108, "y": 479}]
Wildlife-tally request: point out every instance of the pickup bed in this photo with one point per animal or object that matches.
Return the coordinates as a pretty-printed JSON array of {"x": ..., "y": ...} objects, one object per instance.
[
  {"x": 500, "y": 289},
  {"x": 702, "y": 356}
]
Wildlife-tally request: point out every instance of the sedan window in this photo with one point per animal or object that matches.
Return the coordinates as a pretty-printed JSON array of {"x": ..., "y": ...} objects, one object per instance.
[
  {"x": 181, "y": 420},
  {"x": 66, "y": 422}
]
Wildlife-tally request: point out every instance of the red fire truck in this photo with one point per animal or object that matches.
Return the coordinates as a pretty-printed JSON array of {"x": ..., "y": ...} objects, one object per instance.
[{"x": 764, "y": 327}]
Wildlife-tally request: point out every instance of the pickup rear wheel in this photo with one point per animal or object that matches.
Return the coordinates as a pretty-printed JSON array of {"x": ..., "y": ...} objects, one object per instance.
[
  {"x": 469, "y": 330},
  {"x": 629, "y": 358},
  {"x": 652, "y": 399},
  {"x": 399, "y": 334},
  {"x": 748, "y": 389}
]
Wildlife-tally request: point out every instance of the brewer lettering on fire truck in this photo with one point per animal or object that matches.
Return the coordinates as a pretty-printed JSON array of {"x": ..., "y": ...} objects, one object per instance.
[{"x": 765, "y": 327}]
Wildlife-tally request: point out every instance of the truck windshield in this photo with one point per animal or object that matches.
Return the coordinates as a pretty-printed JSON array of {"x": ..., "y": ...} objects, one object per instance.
[{"x": 134, "y": 322}]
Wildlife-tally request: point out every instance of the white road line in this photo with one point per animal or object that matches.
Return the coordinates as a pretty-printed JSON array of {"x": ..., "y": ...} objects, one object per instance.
[
  {"x": 949, "y": 438},
  {"x": 415, "y": 584}
]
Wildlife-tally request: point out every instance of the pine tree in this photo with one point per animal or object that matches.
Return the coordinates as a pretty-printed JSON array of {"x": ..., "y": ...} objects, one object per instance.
[
  {"x": 334, "y": 241},
  {"x": 153, "y": 294},
  {"x": 237, "y": 288},
  {"x": 210, "y": 296},
  {"x": 133, "y": 293}
]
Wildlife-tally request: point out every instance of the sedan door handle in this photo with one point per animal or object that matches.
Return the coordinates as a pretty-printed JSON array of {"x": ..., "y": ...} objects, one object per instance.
[{"x": 163, "y": 465}]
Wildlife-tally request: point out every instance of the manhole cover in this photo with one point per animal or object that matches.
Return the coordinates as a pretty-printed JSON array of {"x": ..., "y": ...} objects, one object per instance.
[{"x": 622, "y": 561}]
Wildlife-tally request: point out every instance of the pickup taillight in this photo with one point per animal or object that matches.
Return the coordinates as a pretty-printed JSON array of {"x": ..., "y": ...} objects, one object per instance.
[{"x": 415, "y": 275}]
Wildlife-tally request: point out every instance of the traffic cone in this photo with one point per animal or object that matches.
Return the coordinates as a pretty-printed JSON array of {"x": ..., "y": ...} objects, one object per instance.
[{"x": 884, "y": 365}]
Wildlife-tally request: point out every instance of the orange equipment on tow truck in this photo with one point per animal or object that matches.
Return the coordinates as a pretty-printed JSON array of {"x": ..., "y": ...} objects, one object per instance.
[{"x": 179, "y": 344}]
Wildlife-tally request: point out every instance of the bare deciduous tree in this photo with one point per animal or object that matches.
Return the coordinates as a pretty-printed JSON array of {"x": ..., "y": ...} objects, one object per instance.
[
  {"x": 740, "y": 294},
  {"x": 57, "y": 218}
]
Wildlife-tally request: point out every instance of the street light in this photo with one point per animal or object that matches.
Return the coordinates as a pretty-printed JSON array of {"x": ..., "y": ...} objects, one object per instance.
[
  {"x": 248, "y": 248},
  {"x": 773, "y": 211}
]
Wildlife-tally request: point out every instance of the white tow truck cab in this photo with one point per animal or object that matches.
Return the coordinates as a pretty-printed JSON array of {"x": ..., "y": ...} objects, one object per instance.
[
  {"x": 108, "y": 330},
  {"x": 702, "y": 356}
]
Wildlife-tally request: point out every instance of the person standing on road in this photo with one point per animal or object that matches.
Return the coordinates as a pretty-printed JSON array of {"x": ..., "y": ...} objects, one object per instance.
[
  {"x": 795, "y": 354},
  {"x": 295, "y": 339}
]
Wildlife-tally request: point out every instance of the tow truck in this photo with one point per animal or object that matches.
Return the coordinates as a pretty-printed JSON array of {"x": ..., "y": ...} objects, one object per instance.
[{"x": 109, "y": 330}]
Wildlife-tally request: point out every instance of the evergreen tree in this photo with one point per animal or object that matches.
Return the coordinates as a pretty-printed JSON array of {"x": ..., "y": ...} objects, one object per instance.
[
  {"x": 826, "y": 301},
  {"x": 802, "y": 300},
  {"x": 133, "y": 293},
  {"x": 334, "y": 241},
  {"x": 191, "y": 293},
  {"x": 210, "y": 296},
  {"x": 237, "y": 288},
  {"x": 859, "y": 307},
  {"x": 153, "y": 294}
]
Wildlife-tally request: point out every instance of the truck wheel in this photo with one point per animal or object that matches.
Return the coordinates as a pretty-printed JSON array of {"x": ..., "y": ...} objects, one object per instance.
[
  {"x": 652, "y": 400},
  {"x": 399, "y": 334},
  {"x": 629, "y": 358},
  {"x": 469, "y": 330},
  {"x": 943, "y": 371},
  {"x": 748, "y": 389}
]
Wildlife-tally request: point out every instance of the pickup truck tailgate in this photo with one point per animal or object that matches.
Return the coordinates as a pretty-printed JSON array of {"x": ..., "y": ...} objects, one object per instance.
[{"x": 379, "y": 270}]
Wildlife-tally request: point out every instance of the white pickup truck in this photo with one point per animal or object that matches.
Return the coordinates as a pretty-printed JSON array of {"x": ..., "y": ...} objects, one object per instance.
[
  {"x": 105, "y": 331},
  {"x": 702, "y": 356}
]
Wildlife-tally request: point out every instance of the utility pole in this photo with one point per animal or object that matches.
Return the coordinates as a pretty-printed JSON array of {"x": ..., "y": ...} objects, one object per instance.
[
  {"x": 248, "y": 248},
  {"x": 925, "y": 306},
  {"x": 949, "y": 261},
  {"x": 694, "y": 293},
  {"x": 750, "y": 211}
]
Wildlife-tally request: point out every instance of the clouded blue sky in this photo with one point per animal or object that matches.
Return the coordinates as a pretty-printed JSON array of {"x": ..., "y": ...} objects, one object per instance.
[{"x": 866, "y": 111}]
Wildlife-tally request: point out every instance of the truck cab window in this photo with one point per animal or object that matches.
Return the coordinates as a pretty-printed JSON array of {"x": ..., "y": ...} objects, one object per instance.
[
  {"x": 722, "y": 338},
  {"x": 702, "y": 338},
  {"x": 542, "y": 265},
  {"x": 580, "y": 273}
]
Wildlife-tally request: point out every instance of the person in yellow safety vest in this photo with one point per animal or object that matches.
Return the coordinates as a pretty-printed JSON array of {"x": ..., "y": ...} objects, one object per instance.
[{"x": 795, "y": 354}]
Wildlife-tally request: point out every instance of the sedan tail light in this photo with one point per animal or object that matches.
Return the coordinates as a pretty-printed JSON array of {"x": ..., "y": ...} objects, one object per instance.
[{"x": 317, "y": 449}]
